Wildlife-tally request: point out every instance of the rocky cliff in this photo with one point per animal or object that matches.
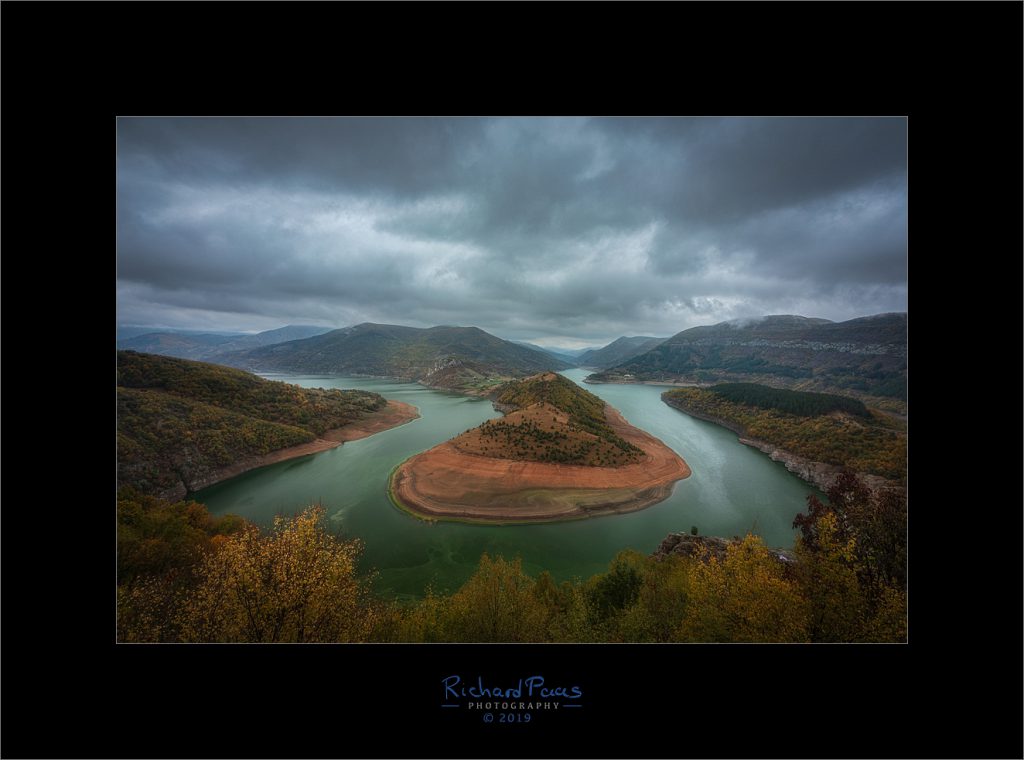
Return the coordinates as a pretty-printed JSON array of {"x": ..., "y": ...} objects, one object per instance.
[
  {"x": 706, "y": 547},
  {"x": 820, "y": 474}
]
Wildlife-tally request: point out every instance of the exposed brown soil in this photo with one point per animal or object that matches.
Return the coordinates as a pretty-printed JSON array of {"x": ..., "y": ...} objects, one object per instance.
[
  {"x": 394, "y": 414},
  {"x": 446, "y": 483},
  {"x": 549, "y": 419}
]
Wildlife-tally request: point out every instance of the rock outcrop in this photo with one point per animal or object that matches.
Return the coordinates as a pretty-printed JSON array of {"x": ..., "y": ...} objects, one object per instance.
[
  {"x": 706, "y": 547},
  {"x": 819, "y": 474}
]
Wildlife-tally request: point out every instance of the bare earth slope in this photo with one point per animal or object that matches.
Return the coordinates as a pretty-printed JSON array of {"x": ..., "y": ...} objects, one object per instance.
[
  {"x": 448, "y": 482},
  {"x": 394, "y": 414}
]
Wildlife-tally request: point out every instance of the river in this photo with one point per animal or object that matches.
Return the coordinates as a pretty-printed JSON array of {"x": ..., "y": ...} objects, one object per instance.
[{"x": 733, "y": 489}]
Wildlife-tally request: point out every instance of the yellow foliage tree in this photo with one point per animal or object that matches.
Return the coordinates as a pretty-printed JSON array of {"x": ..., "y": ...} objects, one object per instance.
[
  {"x": 497, "y": 603},
  {"x": 746, "y": 597},
  {"x": 660, "y": 603},
  {"x": 829, "y": 577},
  {"x": 296, "y": 584},
  {"x": 889, "y": 621}
]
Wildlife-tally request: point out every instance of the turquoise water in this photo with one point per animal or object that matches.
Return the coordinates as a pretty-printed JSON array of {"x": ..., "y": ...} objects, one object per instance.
[{"x": 733, "y": 489}]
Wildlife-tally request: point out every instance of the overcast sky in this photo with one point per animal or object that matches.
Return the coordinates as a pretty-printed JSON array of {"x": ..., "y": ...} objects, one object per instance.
[{"x": 565, "y": 232}]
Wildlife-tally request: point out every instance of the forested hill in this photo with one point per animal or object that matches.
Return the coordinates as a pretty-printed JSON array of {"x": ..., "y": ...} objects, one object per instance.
[
  {"x": 551, "y": 419},
  {"x": 582, "y": 406},
  {"x": 178, "y": 421},
  {"x": 799, "y": 403},
  {"x": 861, "y": 356},
  {"x": 618, "y": 351},
  {"x": 820, "y": 428},
  {"x": 460, "y": 358}
]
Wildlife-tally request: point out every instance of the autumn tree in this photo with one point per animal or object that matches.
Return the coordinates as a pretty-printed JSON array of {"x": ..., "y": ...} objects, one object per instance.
[
  {"x": 498, "y": 603},
  {"x": 881, "y": 528},
  {"x": 573, "y": 623},
  {"x": 876, "y": 519},
  {"x": 745, "y": 597},
  {"x": 828, "y": 576},
  {"x": 854, "y": 558},
  {"x": 660, "y": 601},
  {"x": 187, "y": 576},
  {"x": 157, "y": 537},
  {"x": 617, "y": 589},
  {"x": 296, "y": 584}
]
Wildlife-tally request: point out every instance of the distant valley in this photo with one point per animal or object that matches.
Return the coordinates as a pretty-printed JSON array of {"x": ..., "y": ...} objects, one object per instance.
[
  {"x": 566, "y": 357},
  {"x": 618, "y": 351}
]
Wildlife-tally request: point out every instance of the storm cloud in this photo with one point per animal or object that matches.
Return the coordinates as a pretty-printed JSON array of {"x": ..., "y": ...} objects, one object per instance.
[{"x": 562, "y": 231}]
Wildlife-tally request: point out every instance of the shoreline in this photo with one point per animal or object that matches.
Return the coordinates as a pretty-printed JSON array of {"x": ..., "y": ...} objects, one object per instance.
[
  {"x": 444, "y": 483},
  {"x": 821, "y": 475},
  {"x": 664, "y": 383},
  {"x": 395, "y": 414},
  {"x": 276, "y": 374}
]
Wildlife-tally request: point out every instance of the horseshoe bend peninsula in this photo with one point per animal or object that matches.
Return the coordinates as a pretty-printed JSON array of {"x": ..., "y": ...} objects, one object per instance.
[{"x": 559, "y": 453}]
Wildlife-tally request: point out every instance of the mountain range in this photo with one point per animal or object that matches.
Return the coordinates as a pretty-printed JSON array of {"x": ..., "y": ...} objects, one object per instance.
[
  {"x": 866, "y": 356},
  {"x": 465, "y": 359},
  {"x": 617, "y": 352},
  {"x": 188, "y": 345}
]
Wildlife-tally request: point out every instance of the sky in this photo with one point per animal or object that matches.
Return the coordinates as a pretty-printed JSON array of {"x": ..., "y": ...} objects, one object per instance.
[{"x": 565, "y": 232}]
